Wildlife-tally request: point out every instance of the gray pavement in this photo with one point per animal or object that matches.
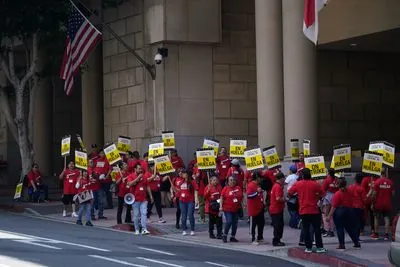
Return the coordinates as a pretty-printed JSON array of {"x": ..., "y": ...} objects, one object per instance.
[{"x": 27, "y": 241}]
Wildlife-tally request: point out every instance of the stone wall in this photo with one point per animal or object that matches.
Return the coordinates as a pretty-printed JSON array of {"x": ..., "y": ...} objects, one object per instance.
[
  {"x": 358, "y": 98},
  {"x": 124, "y": 90},
  {"x": 235, "y": 91}
]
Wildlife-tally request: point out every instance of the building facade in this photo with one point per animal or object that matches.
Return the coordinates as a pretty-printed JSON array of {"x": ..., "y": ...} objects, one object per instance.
[{"x": 236, "y": 68}]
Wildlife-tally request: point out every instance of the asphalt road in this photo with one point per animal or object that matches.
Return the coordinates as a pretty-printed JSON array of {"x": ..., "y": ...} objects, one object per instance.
[{"x": 26, "y": 241}]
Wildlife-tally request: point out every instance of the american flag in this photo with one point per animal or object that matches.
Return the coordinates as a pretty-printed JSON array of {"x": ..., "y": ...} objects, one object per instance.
[{"x": 82, "y": 38}]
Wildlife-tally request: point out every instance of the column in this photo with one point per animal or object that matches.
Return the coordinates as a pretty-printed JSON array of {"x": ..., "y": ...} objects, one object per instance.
[
  {"x": 299, "y": 74},
  {"x": 269, "y": 73},
  {"x": 92, "y": 99}
]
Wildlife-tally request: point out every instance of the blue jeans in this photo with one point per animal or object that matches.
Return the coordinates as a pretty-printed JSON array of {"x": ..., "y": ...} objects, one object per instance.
[
  {"x": 231, "y": 220},
  {"x": 294, "y": 219},
  {"x": 140, "y": 208},
  {"x": 84, "y": 208},
  {"x": 345, "y": 220},
  {"x": 107, "y": 193},
  {"x": 187, "y": 209},
  {"x": 98, "y": 197}
]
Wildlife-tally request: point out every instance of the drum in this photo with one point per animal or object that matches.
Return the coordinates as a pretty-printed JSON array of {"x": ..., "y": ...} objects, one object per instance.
[{"x": 84, "y": 196}]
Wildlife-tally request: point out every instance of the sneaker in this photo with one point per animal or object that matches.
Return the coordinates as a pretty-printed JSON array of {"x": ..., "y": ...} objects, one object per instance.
[
  {"x": 386, "y": 237},
  {"x": 260, "y": 240},
  {"x": 102, "y": 218},
  {"x": 308, "y": 250},
  {"x": 145, "y": 232},
  {"x": 184, "y": 233},
  {"x": 212, "y": 236},
  {"x": 224, "y": 239},
  {"x": 93, "y": 218},
  {"x": 192, "y": 233},
  {"x": 161, "y": 220},
  {"x": 137, "y": 232},
  {"x": 326, "y": 234},
  {"x": 219, "y": 236},
  {"x": 323, "y": 231},
  {"x": 74, "y": 214},
  {"x": 375, "y": 236},
  {"x": 89, "y": 224},
  {"x": 255, "y": 243},
  {"x": 177, "y": 226},
  {"x": 279, "y": 244},
  {"x": 357, "y": 246},
  {"x": 233, "y": 239},
  {"x": 321, "y": 250},
  {"x": 331, "y": 234},
  {"x": 64, "y": 213},
  {"x": 302, "y": 244},
  {"x": 79, "y": 222},
  {"x": 341, "y": 247}
]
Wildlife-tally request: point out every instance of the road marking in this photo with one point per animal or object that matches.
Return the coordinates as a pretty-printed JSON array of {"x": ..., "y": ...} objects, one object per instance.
[
  {"x": 3, "y": 265},
  {"x": 31, "y": 242},
  {"x": 158, "y": 251},
  {"x": 216, "y": 264},
  {"x": 159, "y": 262},
  {"x": 116, "y": 261},
  {"x": 31, "y": 238},
  {"x": 34, "y": 212}
]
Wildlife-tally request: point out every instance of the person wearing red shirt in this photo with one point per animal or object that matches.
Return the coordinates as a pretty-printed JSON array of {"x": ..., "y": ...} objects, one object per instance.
[
  {"x": 342, "y": 212},
  {"x": 384, "y": 191},
  {"x": 230, "y": 201},
  {"x": 96, "y": 188},
  {"x": 176, "y": 161},
  {"x": 69, "y": 177},
  {"x": 276, "y": 209},
  {"x": 359, "y": 196},
  {"x": 103, "y": 169},
  {"x": 223, "y": 164},
  {"x": 201, "y": 179},
  {"x": 134, "y": 160},
  {"x": 139, "y": 187},
  {"x": 212, "y": 194},
  {"x": 82, "y": 184},
  {"x": 35, "y": 183},
  {"x": 121, "y": 181},
  {"x": 368, "y": 185},
  {"x": 255, "y": 208},
  {"x": 176, "y": 183},
  {"x": 309, "y": 193},
  {"x": 329, "y": 185},
  {"x": 192, "y": 163},
  {"x": 154, "y": 181},
  {"x": 300, "y": 164},
  {"x": 236, "y": 172},
  {"x": 95, "y": 152}
]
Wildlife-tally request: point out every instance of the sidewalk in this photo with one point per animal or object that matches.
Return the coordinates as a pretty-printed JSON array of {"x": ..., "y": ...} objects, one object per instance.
[{"x": 373, "y": 253}]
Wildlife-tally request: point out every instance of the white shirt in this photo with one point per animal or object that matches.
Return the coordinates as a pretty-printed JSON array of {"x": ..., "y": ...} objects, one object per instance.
[{"x": 291, "y": 179}]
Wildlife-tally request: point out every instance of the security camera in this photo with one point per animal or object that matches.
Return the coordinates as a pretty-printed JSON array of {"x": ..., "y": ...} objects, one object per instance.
[{"x": 158, "y": 58}]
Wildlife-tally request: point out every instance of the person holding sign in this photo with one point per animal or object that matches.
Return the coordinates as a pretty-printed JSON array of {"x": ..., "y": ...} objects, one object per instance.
[
  {"x": 230, "y": 204},
  {"x": 300, "y": 164},
  {"x": 96, "y": 188},
  {"x": 276, "y": 209},
  {"x": 176, "y": 160},
  {"x": 255, "y": 204},
  {"x": 103, "y": 169},
  {"x": 309, "y": 193},
  {"x": 121, "y": 181},
  {"x": 154, "y": 180},
  {"x": 368, "y": 185},
  {"x": 223, "y": 164},
  {"x": 139, "y": 187},
  {"x": 330, "y": 186},
  {"x": 83, "y": 184},
  {"x": 35, "y": 183},
  {"x": 201, "y": 179},
  {"x": 69, "y": 177},
  {"x": 359, "y": 197},
  {"x": 212, "y": 194}
]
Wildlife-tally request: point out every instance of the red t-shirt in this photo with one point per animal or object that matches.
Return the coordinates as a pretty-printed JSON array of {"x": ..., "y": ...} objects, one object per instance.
[
  {"x": 84, "y": 185},
  {"x": 248, "y": 176},
  {"x": 186, "y": 192},
  {"x": 276, "y": 206},
  {"x": 255, "y": 204},
  {"x": 101, "y": 166},
  {"x": 358, "y": 195},
  {"x": 177, "y": 162},
  {"x": 270, "y": 174},
  {"x": 223, "y": 164},
  {"x": 94, "y": 182},
  {"x": 384, "y": 191},
  {"x": 212, "y": 193},
  {"x": 367, "y": 183},
  {"x": 309, "y": 192},
  {"x": 70, "y": 178},
  {"x": 238, "y": 173},
  {"x": 133, "y": 162},
  {"x": 200, "y": 178},
  {"x": 330, "y": 184},
  {"x": 155, "y": 184},
  {"x": 232, "y": 198},
  {"x": 122, "y": 189},
  {"x": 191, "y": 165},
  {"x": 342, "y": 199},
  {"x": 34, "y": 176},
  {"x": 140, "y": 189},
  {"x": 299, "y": 166}
]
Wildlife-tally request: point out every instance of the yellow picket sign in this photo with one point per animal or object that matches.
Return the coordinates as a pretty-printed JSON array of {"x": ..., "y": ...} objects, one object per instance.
[
  {"x": 271, "y": 157},
  {"x": 253, "y": 159},
  {"x": 18, "y": 191},
  {"x": 386, "y": 149},
  {"x": 112, "y": 154},
  {"x": 81, "y": 142},
  {"x": 66, "y": 146},
  {"x": 114, "y": 173},
  {"x": 211, "y": 143},
  {"x": 168, "y": 138},
  {"x": 206, "y": 159},
  {"x": 156, "y": 149},
  {"x": 342, "y": 157},
  {"x": 294, "y": 149},
  {"x": 372, "y": 163},
  {"x": 124, "y": 144},
  {"x": 316, "y": 165},
  {"x": 306, "y": 147},
  {"x": 237, "y": 148},
  {"x": 81, "y": 160},
  {"x": 163, "y": 165}
]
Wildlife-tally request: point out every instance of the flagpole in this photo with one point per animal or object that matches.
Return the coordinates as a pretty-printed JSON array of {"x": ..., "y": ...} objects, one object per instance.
[{"x": 149, "y": 67}]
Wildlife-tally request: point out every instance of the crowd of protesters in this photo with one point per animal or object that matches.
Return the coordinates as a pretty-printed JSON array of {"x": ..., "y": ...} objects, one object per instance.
[{"x": 318, "y": 207}]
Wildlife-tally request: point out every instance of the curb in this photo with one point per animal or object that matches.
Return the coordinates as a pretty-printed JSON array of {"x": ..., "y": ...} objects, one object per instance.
[
  {"x": 12, "y": 207},
  {"x": 154, "y": 231}
]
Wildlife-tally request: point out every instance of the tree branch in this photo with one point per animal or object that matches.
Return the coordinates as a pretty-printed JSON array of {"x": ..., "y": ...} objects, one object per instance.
[
  {"x": 5, "y": 69},
  {"x": 11, "y": 64},
  {"x": 6, "y": 110},
  {"x": 32, "y": 70}
]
